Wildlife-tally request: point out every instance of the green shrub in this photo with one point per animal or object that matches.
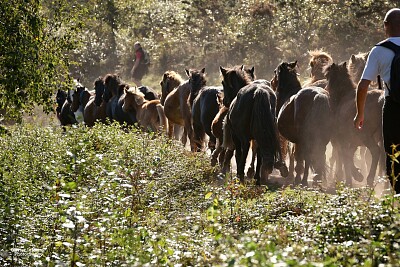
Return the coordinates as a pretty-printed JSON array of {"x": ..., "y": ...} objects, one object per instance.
[{"x": 109, "y": 197}]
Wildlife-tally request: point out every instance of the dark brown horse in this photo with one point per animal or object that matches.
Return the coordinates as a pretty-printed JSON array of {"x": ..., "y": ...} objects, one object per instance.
[
  {"x": 251, "y": 117},
  {"x": 66, "y": 116},
  {"x": 80, "y": 98},
  {"x": 304, "y": 119},
  {"x": 232, "y": 80},
  {"x": 342, "y": 93},
  {"x": 95, "y": 109},
  {"x": 204, "y": 109}
]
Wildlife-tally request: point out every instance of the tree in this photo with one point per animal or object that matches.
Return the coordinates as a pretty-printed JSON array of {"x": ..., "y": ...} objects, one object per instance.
[{"x": 35, "y": 38}]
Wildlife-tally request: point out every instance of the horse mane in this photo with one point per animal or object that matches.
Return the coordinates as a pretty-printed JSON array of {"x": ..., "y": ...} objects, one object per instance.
[
  {"x": 233, "y": 79},
  {"x": 356, "y": 65},
  {"x": 319, "y": 59},
  {"x": 288, "y": 82},
  {"x": 340, "y": 84},
  {"x": 174, "y": 76},
  {"x": 197, "y": 82},
  {"x": 112, "y": 81}
]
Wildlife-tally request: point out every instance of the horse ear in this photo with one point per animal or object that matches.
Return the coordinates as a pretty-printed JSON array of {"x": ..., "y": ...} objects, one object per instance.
[
  {"x": 353, "y": 57},
  {"x": 165, "y": 76},
  {"x": 293, "y": 64},
  {"x": 242, "y": 67},
  {"x": 187, "y": 72},
  {"x": 223, "y": 71},
  {"x": 203, "y": 70},
  {"x": 344, "y": 64}
]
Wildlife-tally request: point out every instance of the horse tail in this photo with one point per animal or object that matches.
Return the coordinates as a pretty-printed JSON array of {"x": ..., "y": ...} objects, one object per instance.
[
  {"x": 263, "y": 124},
  {"x": 162, "y": 117}
]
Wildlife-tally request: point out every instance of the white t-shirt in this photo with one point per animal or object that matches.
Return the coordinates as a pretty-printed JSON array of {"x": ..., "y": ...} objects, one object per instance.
[{"x": 379, "y": 62}]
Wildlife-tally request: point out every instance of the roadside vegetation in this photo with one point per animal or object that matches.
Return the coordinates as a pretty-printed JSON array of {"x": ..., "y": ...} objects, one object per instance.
[{"x": 111, "y": 197}]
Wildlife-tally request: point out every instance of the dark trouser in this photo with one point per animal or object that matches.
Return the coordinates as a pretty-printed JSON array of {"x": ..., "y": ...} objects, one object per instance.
[{"x": 391, "y": 135}]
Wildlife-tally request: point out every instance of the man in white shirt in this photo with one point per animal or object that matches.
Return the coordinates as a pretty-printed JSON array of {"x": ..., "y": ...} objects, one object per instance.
[{"x": 379, "y": 63}]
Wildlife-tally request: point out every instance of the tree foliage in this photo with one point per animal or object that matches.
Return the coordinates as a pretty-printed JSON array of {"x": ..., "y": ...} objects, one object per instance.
[{"x": 41, "y": 40}]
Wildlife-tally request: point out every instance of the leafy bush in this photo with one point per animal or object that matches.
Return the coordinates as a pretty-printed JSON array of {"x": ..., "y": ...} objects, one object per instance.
[{"x": 105, "y": 196}]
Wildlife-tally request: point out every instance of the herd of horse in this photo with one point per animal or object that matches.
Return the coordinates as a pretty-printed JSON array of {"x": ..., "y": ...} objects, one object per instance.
[{"x": 280, "y": 119}]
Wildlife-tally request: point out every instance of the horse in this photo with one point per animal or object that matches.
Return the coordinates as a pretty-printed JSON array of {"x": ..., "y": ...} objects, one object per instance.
[
  {"x": 61, "y": 97},
  {"x": 66, "y": 116},
  {"x": 149, "y": 113},
  {"x": 177, "y": 105},
  {"x": 232, "y": 80},
  {"x": 319, "y": 59},
  {"x": 170, "y": 83},
  {"x": 217, "y": 124},
  {"x": 80, "y": 97},
  {"x": 149, "y": 93},
  {"x": 346, "y": 138},
  {"x": 251, "y": 116},
  {"x": 304, "y": 118},
  {"x": 114, "y": 96},
  {"x": 217, "y": 131},
  {"x": 95, "y": 109},
  {"x": 204, "y": 109}
]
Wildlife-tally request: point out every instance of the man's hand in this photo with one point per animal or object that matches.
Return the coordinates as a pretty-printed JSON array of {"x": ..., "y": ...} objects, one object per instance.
[{"x": 358, "y": 121}]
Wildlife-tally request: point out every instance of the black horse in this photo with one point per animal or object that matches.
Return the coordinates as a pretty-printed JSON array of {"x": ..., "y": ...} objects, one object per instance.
[
  {"x": 204, "y": 109},
  {"x": 251, "y": 117},
  {"x": 304, "y": 119}
]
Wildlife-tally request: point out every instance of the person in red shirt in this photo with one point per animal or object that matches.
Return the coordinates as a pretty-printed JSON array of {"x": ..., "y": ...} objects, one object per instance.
[{"x": 140, "y": 67}]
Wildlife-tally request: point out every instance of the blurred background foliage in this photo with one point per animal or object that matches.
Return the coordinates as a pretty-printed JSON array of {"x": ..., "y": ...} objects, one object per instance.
[{"x": 46, "y": 43}]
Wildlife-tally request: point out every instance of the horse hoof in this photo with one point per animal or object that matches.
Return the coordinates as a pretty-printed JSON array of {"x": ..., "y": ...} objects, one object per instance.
[
  {"x": 304, "y": 183},
  {"x": 284, "y": 171},
  {"x": 358, "y": 175},
  {"x": 250, "y": 172}
]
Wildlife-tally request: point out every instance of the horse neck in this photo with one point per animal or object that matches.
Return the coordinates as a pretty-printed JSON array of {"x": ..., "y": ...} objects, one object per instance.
[
  {"x": 340, "y": 89},
  {"x": 286, "y": 89},
  {"x": 195, "y": 90}
]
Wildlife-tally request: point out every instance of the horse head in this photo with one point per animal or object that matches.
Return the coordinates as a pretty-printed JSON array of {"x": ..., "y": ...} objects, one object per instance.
[
  {"x": 318, "y": 61},
  {"x": 76, "y": 97},
  {"x": 61, "y": 96},
  {"x": 233, "y": 79},
  {"x": 169, "y": 82},
  {"x": 133, "y": 98},
  {"x": 99, "y": 89},
  {"x": 356, "y": 65},
  {"x": 339, "y": 81},
  {"x": 285, "y": 82},
  {"x": 197, "y": 80}
]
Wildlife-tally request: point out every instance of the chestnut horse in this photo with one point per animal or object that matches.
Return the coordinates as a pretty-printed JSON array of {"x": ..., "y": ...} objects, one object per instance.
[
  {"x": 169, "y": 83},
  {"x": 304, "y": 119},
  {"x": 342, "y": 93},
  {"x": 319, "y": 59},
  {"x": 149, "y": 113}
]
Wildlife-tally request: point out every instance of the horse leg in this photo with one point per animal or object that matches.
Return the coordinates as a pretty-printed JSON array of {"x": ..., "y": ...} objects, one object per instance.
[
  {"x": 291, "y": 149},
  {"x": 251, "y": 170},
  {"x": 227, "y": 159},
  {"x": 304, "y": 181},
  {"x": 375, "y": 153},
  {"x": 299, "y": 168},
  {"x": 215, "y": 154}
]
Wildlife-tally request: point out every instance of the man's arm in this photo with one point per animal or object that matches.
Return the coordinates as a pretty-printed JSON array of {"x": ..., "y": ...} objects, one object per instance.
[{"x": 361, "y": 96}]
